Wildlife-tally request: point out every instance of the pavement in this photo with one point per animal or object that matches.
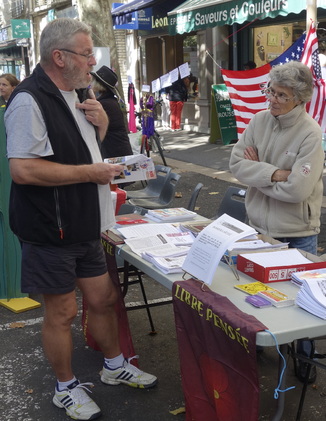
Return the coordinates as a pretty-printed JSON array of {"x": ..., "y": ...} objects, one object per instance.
[{"x": 27, "y": 382}]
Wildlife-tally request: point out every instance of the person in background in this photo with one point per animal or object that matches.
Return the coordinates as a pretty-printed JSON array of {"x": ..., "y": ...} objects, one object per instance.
[
  {"x": 116, "y": 141},
  {"x": 249, "y": 65},
  {"x": 280, "y": 158},
  {"x": 193, "y": 86},
  {"x": 178, "y": 95},
  {"x": 60, "y": 203},
  {"x": 8, "y": 83}
]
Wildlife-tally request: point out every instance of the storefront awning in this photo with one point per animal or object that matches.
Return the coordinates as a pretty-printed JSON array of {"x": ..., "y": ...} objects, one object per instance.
[
  {"x": 194, "y": 15},
  {"x": 134, "y": 6}
]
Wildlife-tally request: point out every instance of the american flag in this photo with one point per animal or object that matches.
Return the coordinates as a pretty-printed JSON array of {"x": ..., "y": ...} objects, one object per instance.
[
  {"x": 317, "y": 106},
  {"x": 246, "y": 88}
]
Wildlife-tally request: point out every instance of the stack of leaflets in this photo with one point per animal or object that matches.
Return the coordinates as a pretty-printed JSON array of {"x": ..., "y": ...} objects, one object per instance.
[
  {"x": 277, "y": 298},
  {"x": 251, "y": 246},
  {"x": 159, "y": 241},
  {"x": 164, "y": 245},
  {"x": 170, "y": 215},
  {"x": 259, "y": 290},
  {"x": 298, "y": 277},
  {"x": 169, "y": 264},
  {"x": 312, "y": 296}
]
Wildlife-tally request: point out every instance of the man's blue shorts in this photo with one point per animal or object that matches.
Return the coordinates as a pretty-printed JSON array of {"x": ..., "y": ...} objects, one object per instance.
[{"x": 53, "y": 270}]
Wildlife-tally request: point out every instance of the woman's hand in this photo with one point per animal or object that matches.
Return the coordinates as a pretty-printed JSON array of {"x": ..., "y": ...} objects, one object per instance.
[{"x": 251, "y": 154}]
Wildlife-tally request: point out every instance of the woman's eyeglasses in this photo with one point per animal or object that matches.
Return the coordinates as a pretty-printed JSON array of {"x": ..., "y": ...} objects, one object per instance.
[{"x": 281, "y": 98}]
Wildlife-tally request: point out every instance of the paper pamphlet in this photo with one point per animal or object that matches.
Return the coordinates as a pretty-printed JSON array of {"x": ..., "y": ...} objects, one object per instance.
[
  {"x": 137, "y": 167},
  {"x": 210, "y": 245},
  {"x": 253, "y": 287}
]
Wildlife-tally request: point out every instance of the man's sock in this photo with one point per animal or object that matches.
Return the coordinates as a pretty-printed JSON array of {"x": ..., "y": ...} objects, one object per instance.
[
  {"x": 113, "y": 363},
  {"x": 64, "y": 385}
]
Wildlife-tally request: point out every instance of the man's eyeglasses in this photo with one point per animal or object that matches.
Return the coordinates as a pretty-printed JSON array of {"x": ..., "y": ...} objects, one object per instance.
[
  {"x": 281, "y": 98},
  {"x": 87, "y": 56}
]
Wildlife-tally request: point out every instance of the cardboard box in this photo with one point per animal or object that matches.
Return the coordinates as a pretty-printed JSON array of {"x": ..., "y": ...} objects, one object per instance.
[{"x": 277, "y": 273}]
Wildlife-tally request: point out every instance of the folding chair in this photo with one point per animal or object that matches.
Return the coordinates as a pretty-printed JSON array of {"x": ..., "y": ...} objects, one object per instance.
[
  {"x": 194, "y": 197},
  {"x": 233, "y": 203},
  {"x": 164, "y": 199},
  {"x": 126, "y": 208},
  {"x": 154, "y": 186}
]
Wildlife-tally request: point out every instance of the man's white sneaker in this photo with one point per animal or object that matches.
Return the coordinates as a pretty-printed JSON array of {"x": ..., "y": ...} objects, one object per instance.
[
  {"x": 128, "y": 374},
  {"x": 78, "y": 405}
]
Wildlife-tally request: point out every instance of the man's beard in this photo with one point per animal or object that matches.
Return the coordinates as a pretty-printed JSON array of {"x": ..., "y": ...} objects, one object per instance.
[{"x": 73, "y": 75}]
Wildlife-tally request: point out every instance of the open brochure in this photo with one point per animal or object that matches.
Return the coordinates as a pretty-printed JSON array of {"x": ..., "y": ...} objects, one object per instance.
[
  {"x": 210, "y": 245},
  {"x": 137, "y": 167}
]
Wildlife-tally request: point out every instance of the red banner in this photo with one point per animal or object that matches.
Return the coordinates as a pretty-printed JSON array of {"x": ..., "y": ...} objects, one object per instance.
[{"x": 217, "y": 348}]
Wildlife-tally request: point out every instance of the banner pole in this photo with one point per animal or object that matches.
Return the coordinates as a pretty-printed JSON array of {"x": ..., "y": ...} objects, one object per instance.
[{"x": 311, "y": 13}]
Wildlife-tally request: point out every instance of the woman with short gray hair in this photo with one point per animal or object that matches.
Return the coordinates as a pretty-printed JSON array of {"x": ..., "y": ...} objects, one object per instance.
[
  {"x": 280, "y": 158},
  {"x": 295, "y": 76}
]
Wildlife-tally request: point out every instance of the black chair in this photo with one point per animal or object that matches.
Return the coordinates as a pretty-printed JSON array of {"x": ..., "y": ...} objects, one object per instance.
[
  {"x": 233, "y": 203},
  {"x": 154, "y": 186},
  {"x": 126, "y": 208},
  {"x": 164, "y": 199},
  {"x": 194, "y": 197}
]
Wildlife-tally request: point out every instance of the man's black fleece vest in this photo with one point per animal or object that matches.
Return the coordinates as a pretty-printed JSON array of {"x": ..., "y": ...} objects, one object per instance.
[{"x": 59, "y": 215}]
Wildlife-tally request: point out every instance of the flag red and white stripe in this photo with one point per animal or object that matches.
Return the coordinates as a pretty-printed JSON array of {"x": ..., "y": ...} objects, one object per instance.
[
  {"x": 246, "y": 88},
  {"x": 317, "y": 106},
  {"x": 246, "y": 91}
]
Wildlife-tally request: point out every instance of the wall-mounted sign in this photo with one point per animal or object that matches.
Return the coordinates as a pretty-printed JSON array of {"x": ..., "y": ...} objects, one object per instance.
[{"x": 21, "y": 28}]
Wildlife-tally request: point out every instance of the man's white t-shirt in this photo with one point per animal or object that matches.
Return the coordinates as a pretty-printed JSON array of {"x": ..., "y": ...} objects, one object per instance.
[{"x": 35, "y": 143}]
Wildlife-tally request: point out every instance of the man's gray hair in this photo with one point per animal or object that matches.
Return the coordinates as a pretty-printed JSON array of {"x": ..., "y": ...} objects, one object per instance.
[
  {"x": 58, "y": 34},
  {"x": 294, "y": 75}
]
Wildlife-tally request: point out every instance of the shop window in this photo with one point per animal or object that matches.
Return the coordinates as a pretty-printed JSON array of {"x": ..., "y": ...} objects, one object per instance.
[
  {"x": 271, "y": 41},
  {"x": 17, "y": 7}
]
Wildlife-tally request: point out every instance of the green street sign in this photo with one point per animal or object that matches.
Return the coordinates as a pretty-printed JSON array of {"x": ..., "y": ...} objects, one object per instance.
[{"x": 21, "y": 28}]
